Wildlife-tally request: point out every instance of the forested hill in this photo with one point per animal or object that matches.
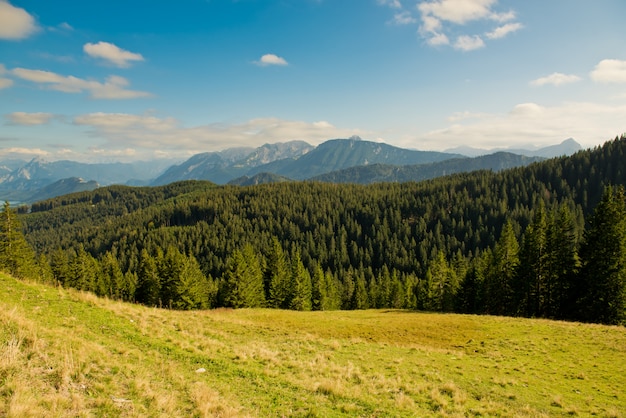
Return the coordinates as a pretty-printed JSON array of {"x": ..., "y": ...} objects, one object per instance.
[
  {"x": 429, "y": 245},
  {"x": 366, "y": 174}
]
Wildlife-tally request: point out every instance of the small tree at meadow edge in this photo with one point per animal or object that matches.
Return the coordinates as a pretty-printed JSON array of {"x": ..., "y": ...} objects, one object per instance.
[
  {"x": 16, "y": 257},
  {"x": 602, "y": 285}
]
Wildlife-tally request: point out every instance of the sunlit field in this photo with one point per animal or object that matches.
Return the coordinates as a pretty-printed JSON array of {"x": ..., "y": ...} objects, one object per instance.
[{"x": 65, "y": 353}]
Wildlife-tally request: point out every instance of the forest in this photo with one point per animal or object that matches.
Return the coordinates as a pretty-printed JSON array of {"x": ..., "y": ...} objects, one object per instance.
[{"x": 546, "y": 240}]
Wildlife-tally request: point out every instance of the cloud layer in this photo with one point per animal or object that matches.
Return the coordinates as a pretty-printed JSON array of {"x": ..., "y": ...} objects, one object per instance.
[
  {"x": 555, "y": 79},
  {"x": 15, "y": 23},
  {"x": 531, "y": 123},
  {"x": 23, "y": 118},
  {"x": 151, "y": 133},
  {"x": 609, "y": 71},
  {"x": 114, "y": 87},
  {"x": 112, "y": 54},
  {"x": 438, "y": 17}
]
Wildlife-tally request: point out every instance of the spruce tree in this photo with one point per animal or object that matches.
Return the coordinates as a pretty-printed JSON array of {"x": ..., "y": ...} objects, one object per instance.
[
  {"x": 301, "y": 279},
  {"x": 243, "y": 280},
  {"x": 148, "y": 282},
  {"x": 277, "y": 277},
  {"x": 16, "y": 256},
  {"x": 602, "y": 294},
  {"x": 500, "y": 273}
]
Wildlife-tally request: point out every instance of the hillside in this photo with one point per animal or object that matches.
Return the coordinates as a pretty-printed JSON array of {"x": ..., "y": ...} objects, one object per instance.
[
  {"x": 427, "y": 245},
  {"x": 28, "y": 182},
  {"x": 66, "y": 353},
  {"x": 394, "y": 173}
]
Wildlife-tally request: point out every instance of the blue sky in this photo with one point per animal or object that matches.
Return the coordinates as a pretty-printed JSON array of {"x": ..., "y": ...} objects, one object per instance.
[{"x": 144, "y": 79}]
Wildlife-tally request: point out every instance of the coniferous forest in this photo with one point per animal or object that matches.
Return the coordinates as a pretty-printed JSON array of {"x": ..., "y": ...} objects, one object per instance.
[{"x": 547, "y": 240}]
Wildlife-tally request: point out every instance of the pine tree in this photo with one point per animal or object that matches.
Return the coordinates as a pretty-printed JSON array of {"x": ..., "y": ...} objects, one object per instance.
[
  {"x": 193, "y": 286},
  {"x": 243, "y": 280},
  {"x": 442, "y": 285},
  {"x": 277, "y": 277},
  {"x": 16, "y": 256},
  {"x": 148, "y": 282},
  {"x": 500, "y": 273},
  {"x": 318, "y": 289},
  {"x": 564, "y": 265},
  {"x": 301, "y": 279},
  {"x": 603, "y": 254}
]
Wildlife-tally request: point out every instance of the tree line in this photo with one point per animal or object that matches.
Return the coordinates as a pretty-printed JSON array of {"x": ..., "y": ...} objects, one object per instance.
[{"x": 512, "y": 243}]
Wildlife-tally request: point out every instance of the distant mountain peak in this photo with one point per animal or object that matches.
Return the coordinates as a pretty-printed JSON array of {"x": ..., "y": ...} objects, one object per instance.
[{"x": 566, "y": 147}]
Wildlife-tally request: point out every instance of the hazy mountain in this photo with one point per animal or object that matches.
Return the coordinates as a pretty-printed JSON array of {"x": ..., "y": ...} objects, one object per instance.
[
  {"x": 567, "y": 147},
  {"x": 392, "y": 173},
  {"x": 221, "y": 167},
  {"x": 348, "y": 160},
  {"x": 338, "y": 154},
  {"x": 261, "y": 178},
  {"x": 63, "y": 187},
  {"x": 272, "y": 152},
  {"x": 28, "y": 178}
]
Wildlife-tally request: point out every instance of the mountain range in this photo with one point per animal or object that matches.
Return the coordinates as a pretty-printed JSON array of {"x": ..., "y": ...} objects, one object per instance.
[{"x": 338, "y": 160}]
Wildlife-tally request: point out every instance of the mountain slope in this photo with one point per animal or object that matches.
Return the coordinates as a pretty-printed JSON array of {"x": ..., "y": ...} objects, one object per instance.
[
  {"x": 67, "y": 353},
  {"x": 261, "y": 178},
  {"x": 382, "y": 172},
  {"x": 28, "y": 179},
  {"x": 221, "y": 167},
  {"x": 338, "y": 154},
  {"x": 565, "y": 148}
]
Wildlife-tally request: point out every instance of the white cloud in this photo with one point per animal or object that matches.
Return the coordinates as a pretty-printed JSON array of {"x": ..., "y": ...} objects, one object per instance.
[
  {"x": 403, "y": 18},
  {"x": 556, "y": 79},
  {"x": 434, "y": 13},
  {"x": 530, "y": 123},
  {"x": 23, "y": 153},
  {"x": 23, "y": 118},
  {"x": 111, "y": 53},
  {"x": 394, "y": 4},
  {"x": 609, "y": 71},
  {"x": 457, "y": 11},
  {"x": 469, "y": 43},
  {"x": 15, "y": 23},
  {"x": 502, "y": 31},
  {"x": 114, "y": 87},
  {"x": 271, "y": 59},
  {"x": 438, "y": 39},
  {"x": 148, "y": 132},
  {"x": 5, "y": 83}
]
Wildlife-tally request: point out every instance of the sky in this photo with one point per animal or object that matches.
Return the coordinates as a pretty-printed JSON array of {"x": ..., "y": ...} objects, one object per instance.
[{"x": 145, "y": 79}]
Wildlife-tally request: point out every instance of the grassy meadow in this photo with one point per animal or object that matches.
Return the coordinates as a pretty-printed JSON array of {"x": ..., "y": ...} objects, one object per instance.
[{"x": 64, "y": 353}]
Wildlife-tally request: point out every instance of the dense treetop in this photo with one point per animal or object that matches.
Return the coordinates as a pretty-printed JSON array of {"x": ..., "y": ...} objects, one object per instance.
[{"x": 413, "y": 245}]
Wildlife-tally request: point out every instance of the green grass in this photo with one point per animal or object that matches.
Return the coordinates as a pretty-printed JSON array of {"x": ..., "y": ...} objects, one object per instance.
[{"x": 65, "y": 353}]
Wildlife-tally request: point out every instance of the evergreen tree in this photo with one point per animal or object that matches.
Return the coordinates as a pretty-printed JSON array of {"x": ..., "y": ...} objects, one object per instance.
[
  {"x": 359, "y": 296},
  {"x": 442, "y": 285},
  {"x": 564, "y": 265},
  {"x": 243, "y": 280},
  {"x": 83, "y": 271},
  {"x": 301, "y": 279},
  {"x": 333, "y": 292},
  {"x": 470, "y": 292},
  {"x": 277, "y": 277},
  {"x": 603, "y": 254},
  {"x": 318, "y": 289},
  {"x": 148, "y": 282},
  {"x": 16, "y": 256},
  {"x": 193, "y": 287},
  {"x": 500, "y": 272}
]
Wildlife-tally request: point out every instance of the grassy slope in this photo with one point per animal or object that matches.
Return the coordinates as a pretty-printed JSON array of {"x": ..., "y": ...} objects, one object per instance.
[{"x": 63, "y": 353}]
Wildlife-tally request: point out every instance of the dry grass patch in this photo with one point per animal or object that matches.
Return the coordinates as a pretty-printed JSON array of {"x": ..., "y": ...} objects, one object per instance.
[{"x": 65, "y": 353}]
